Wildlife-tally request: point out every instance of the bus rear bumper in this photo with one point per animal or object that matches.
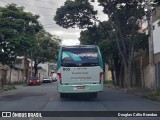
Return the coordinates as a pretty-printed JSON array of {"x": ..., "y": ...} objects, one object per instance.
[{"x": 84, "y": 88}]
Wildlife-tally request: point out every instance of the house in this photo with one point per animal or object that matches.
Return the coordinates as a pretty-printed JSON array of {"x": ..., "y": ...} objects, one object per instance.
[
  {"x": 146, "y": 82},
  {"x": 19, "y": 73},
  {"x": 156, "y": 39},
  {"x": 142, "y": 70},
  {"x": 43, "y": 70}
]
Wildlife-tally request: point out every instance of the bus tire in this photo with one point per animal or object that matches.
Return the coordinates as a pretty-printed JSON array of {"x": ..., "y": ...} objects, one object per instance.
[
  {"x": 94, "y": 95},
  {"x": 62, "y": 95}
]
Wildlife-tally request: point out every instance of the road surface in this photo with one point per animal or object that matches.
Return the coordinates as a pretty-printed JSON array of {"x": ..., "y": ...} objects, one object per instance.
[{"x": 45, "y": 98}]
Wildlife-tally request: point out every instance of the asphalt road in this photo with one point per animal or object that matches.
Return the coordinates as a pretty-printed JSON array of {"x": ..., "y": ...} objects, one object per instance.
[{"x": 45, "y": 98}]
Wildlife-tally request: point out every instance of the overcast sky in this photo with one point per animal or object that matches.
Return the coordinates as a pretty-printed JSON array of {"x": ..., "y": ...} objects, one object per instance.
[{"x": 47, "y": 9}]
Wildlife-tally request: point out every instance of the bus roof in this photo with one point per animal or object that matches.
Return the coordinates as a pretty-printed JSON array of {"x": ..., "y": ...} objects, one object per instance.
[{"x": 80, "y": 46}]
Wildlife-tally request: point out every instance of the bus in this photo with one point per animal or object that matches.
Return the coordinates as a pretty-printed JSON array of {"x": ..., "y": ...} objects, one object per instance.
[{"x": 79, "y": 70}]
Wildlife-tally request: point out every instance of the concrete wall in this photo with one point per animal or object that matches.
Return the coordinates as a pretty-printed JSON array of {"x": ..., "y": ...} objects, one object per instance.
[
  {"x": 156, "y": 37},
  {"x": 15, "y": 75},
  {"x": 157, "y": 67},
  {"x": 142, "y": 72},
  {"x": 157, "y": 57},
  {"x": 3, "y": 74},
  {"x": 42, "y": 73},
  {"x": 148, "y": 83},
  {"x": 21, "y": 72}
]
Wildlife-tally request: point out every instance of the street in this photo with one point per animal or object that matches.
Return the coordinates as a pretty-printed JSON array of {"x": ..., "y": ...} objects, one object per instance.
[{"x": 46, "y": 98}]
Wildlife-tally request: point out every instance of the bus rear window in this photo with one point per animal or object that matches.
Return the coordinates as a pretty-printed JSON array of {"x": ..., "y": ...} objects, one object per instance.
[{"x": 80, "y": 57}]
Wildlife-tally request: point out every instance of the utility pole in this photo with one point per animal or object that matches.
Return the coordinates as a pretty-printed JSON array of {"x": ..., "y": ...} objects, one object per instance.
[{"x": 151, "y": 47}]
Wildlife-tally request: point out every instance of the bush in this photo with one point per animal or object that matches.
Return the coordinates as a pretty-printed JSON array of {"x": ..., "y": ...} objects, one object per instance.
[
  {"x": 107, "y": 81},
  {"x": 8, "y": 87}
]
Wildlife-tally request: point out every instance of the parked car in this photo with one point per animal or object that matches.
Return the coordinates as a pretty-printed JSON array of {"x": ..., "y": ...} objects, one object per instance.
[
  {"x": 46, "y": 80},
  {"x": 34, "y": 81},
  {"x": 54, "y": 77}
]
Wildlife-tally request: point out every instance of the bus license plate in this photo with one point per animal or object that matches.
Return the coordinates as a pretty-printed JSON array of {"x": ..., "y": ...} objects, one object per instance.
[{"x": 80, "y": 87}]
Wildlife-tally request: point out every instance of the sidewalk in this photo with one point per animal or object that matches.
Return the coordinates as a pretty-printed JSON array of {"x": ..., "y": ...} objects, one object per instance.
[
  {"x": 6, "y": 91},
  {"x": 141, "y": 92}
]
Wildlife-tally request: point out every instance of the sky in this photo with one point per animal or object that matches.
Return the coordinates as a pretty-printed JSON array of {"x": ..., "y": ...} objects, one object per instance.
[{"x": 47, "y": 9}]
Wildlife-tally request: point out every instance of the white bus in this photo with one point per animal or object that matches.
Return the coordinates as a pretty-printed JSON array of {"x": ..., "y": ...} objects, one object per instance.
[{"x": 80, "y": 70}]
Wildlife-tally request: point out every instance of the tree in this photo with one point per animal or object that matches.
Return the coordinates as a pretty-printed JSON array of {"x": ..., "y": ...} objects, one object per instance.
[
  {"x": 97, "y": 35},
  {"x": 124, "y": 18},
  {"x": 78, "y": 13},
  {"x": 123, "y": 15},
  {"x": 46, "y": 49},
  {"x": 17, "y": 32}
]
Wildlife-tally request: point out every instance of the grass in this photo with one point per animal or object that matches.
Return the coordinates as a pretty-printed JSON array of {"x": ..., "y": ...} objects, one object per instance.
[
  {"x": 107, "y": 81},
  {"x": 154, "y": 96},
  {"x": 8, "y": 87},
  {"x": 12, "y": 86}
]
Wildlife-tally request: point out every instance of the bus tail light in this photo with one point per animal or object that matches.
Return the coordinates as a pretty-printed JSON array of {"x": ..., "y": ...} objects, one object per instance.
[
  {"x": 100, "y": 76},
  {"x": 60, "y": 77}
]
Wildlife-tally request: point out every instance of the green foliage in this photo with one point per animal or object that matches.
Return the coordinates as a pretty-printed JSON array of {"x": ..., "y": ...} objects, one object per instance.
[
  {"x": 96, "y": 33},
  {"x": 154, "y": 96},
  {"x": 104, "y": 39},
  {"x": 75, "y": 13},
  {"x": 124, "y": 16},
  {"x": 108, "y": 82},
  {"x": 119, "y": 39},
  {"x": 123, "y": 19},
  {"x": 157, "y": 1},
  {"x": 141, "y": 42},
  {"x": 46, "y": 49},
  {"x": 9, "y": 87},
  {"x": 17, "y": 32},
  {"x": 91, "y": 36}
]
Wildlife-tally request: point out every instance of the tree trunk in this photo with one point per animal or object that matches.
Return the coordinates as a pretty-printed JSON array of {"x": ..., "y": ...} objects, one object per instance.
[
  {"x": 121, "y": 75},
  {"x": 117, "y": 65},
  {"x": 113, "y": 77},
  {"x": 35, "y": 68},
  {"x": 10, "y": 79},
  {"x": 127, "y": 77}
]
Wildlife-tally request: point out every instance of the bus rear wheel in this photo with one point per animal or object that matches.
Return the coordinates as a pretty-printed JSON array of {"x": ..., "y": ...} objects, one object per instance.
[
  {"x": 93, "y": 95},
  {"x": 62, "y": 95}
]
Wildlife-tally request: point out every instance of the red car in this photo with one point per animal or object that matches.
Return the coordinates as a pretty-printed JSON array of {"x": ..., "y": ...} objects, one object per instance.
[{"x": 34, "y": 81}]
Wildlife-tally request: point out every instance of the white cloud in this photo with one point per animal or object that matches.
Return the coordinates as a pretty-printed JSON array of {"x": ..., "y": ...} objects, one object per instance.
[
  {"x": 66, "y": 34},
  {"x": 101, "y": 16},
  {"x": 58, "y": 33},
  {"x": 70, "y": 42}
]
